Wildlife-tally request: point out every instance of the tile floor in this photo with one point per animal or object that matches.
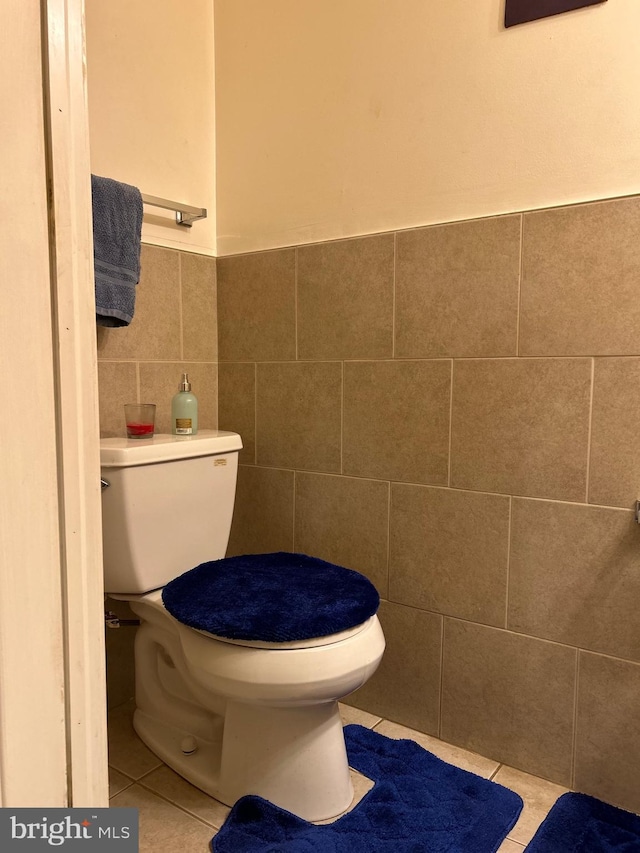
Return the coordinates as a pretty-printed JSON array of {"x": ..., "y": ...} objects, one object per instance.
[{"x": 176, "y": 816}]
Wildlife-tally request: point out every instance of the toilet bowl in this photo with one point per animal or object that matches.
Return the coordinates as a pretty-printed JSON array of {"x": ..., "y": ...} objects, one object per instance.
[{"x": 236, "y": 692}]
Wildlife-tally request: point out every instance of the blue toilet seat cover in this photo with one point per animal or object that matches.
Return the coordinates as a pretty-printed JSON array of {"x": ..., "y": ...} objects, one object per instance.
[{"x": 276, "y": 598}]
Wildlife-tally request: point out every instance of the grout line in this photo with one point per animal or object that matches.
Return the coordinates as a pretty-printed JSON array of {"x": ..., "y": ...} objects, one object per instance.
[
  {"x": 574, "y": 739},
  {"x": 175, "y": 360},
  {"x": 176, "y": 805},
  {"x": 137, "y": 363},
  {"x": 591, "y": 395},
  {"x": 495, "y": 772},
  {"x": 506, "y": 597},
  {"x": 255, "y": 414},
  {"x": 405, "y": 358},
  {"x": 295, "y": 297},
  {"x": 293, "y": 515},
  {"x": 342, "y": 417},
  {"x": 441, "y": 676},
  {"x": 393, "y": 300},
  {"x": 450, "y": 425},
  {"x": 217, "y": 396},
  {"x": 180, "y": 313},
  {"x": 444, "y": 487},
  {"x": 388, "y": 590},
  {"x": 520, "y": 276}
]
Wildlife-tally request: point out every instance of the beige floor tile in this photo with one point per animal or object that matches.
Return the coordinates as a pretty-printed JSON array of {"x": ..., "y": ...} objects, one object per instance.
[
  {"x": 509, "y": 846},
  {"x": 538, "y": 796},
  {"x": 175, "y": 813},
  {"x": 355, "y": 715},
  {"x": 361, "y": 786},
  {"x": 455, "y": 755},
  {"x": 127, "y": 753},
  {"x": 177, "y": 790},
  {"x": 164, "y": 828},
  {"x": 117, "y": 781}
]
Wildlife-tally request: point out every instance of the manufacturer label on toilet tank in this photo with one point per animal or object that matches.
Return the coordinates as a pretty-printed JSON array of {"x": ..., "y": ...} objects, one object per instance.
[{"x": 114, "y": 830}]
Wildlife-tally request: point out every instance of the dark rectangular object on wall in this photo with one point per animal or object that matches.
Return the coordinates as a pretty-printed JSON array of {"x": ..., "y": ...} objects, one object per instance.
[{"x": 520, "y": 11}]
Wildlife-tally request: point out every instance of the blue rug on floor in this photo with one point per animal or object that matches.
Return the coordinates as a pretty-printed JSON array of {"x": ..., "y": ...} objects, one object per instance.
[
  {"x": 581, "y": 824},
  {"x": 419, "y": 804}
]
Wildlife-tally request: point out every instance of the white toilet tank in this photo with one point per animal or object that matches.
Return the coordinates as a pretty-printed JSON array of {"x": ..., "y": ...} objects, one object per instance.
[{"x": 167, "y": 508}]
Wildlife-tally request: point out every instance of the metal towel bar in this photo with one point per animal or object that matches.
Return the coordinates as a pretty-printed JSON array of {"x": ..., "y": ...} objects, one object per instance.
[{"x": 185, "y": 213}]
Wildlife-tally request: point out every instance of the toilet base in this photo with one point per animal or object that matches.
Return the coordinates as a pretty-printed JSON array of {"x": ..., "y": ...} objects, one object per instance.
[
  {"x": 293, "y": 757},
  {"x": 282, "y": 741}
]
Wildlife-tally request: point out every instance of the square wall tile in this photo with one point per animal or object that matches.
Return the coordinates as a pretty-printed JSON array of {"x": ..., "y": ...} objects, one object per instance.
[
  {"x": 345, "y": 299},
  {"x": 575, "y": 575},
  {"x": 396, "y": 420},
  {"x": 608, "y": 730},
  {"x": 298, "y": 415},
  {"x": 263, "y": 512},
  {"x": 521, "y": 426},
  {"x": 256, "y": 306},
  {"x": 117, "y": 385},
  {"x": 448, "y": 552},
  {"x": 614, "y": 472},
  {"x": 154, "y": 333},
  {"x": 457, "y": 289},
  {"x": 509, "y": 697},
  {"x": 199, "y": 307},
  {"x": 237, "y": 404},
  {"x": 581, "y": 267},
  {"x": 406, "y": 686},
  {"x": 344, "y": 520},
  {"x": 159, "y": 382}
]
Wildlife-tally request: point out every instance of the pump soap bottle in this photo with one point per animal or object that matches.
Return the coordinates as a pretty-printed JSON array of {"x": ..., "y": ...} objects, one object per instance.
[{"x": 184, "y": 409}]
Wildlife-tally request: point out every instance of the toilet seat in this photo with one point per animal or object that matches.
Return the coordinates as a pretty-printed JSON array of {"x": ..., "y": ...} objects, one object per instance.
[
  {"x": 277, "y": 599},
  {"x": 311, "y": 643}
]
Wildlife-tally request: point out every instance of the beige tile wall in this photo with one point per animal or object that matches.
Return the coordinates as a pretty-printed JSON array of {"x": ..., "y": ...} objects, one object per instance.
[
  {"x": 455, "y": 412},
  {"x": 174, "y": 329}
]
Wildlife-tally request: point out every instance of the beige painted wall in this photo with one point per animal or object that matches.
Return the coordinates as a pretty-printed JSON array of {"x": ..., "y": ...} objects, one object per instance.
[
  {"x": 150, "y": 74},
  {"x": 347, "y": 117}
]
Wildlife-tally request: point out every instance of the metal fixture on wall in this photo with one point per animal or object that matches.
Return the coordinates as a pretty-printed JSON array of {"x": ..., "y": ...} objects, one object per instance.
[{"x": 185, "y": 213}]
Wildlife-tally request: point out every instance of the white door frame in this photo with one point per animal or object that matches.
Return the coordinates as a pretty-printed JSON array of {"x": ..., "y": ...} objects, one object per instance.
[
  {"x": 52, "y": 668},
  {"x": 77, "y": 399}
]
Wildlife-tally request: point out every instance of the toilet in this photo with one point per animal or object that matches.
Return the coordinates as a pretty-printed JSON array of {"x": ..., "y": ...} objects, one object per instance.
[{"x": 240, "y": 662}]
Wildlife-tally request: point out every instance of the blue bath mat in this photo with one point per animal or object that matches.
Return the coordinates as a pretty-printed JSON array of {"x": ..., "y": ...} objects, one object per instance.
[
  {"x": 581, "y": 824},
  {"x": 419, "y": 804}
]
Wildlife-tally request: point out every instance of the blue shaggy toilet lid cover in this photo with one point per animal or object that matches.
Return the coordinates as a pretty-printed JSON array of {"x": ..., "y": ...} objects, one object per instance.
[{"x": 273, "y": 598}]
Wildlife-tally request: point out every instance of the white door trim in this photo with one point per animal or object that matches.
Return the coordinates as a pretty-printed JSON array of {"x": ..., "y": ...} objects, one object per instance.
[
  {"x": 33, "y": 760},
  {"x": 74, "y": 331}
]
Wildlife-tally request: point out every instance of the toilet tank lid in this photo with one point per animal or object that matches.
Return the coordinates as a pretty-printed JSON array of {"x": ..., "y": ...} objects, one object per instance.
[{"x": 125, "y": 453}]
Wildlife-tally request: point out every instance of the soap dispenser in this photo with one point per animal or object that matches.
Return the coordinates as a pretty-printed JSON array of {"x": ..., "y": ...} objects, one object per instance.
[{"x": 184, "y": 409}]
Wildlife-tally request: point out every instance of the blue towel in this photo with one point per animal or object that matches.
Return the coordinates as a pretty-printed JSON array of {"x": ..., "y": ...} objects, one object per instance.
[{"x": 117, "y": 224}]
